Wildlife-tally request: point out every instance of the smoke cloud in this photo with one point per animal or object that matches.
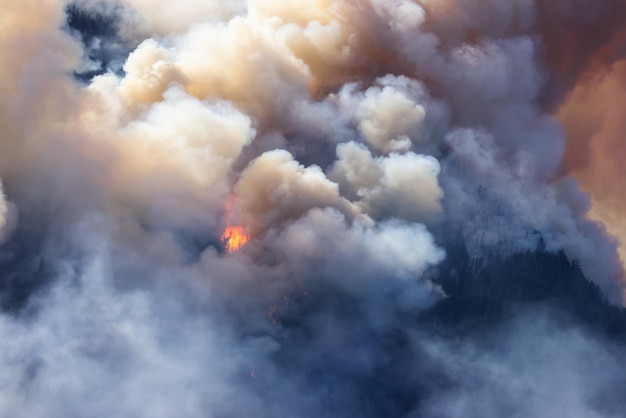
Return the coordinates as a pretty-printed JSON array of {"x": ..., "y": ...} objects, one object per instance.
[
  {"x": 593, "y": 118},
  {"x": 353, "y": 143}
]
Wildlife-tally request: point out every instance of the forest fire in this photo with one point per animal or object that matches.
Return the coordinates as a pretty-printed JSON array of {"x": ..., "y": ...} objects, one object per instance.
[{"x": 234, "y": 238}]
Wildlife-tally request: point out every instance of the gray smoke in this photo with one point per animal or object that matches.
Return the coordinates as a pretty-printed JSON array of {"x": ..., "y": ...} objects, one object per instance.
[{"x": 348, "y": 142}]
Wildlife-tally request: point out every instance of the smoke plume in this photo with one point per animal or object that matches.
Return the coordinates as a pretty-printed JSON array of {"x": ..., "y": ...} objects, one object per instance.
[{"x": 242, "y": 208}]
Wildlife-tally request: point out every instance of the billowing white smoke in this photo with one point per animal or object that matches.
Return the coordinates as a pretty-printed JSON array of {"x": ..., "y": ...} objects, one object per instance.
[
  {"x": 8, "y": 217},
  {"x": 336, "y": 134}
]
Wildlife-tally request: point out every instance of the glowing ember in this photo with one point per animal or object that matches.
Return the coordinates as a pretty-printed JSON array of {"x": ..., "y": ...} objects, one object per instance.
[{"x": 234, "y": 238}]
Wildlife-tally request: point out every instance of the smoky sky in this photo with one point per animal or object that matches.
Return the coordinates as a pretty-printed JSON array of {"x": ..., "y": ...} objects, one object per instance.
[{"x": 428, "y": 192}]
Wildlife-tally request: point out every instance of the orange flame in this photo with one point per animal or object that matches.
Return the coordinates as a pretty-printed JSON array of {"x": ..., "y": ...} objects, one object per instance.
[{"x": 234, "y": 237}]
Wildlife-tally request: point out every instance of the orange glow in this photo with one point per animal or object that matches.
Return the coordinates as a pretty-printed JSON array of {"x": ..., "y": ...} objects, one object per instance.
[
  {"x": 234, "y": 238},
  {"x": 594, "y": 118}
]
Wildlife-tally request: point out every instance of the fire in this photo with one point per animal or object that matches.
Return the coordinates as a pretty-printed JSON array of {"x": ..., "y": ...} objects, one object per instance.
[{"x": 234, "y": 237}]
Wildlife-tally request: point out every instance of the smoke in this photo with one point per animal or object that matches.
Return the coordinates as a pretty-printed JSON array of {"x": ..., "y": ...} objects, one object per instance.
[
  {"x": 534, "y": 370},
  {"x": 8, "y": 217},
  {"x": 353, "y": 143},
  {"x": 595, "y": 124}
]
